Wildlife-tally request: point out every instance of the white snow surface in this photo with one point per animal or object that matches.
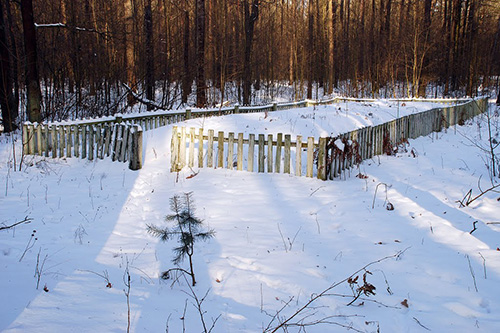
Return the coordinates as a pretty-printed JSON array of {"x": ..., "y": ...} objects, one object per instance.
[{"x": 280, "y": 239}]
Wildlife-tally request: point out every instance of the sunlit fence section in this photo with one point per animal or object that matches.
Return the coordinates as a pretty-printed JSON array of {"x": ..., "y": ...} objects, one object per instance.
[{"x": 324, "y": 158}]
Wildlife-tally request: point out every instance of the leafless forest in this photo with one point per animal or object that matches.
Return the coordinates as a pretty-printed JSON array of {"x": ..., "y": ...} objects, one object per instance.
[{"x": 65, "y": 58}]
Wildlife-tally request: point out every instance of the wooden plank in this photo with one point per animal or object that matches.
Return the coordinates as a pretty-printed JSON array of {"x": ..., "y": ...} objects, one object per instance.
[
  {"x": 136, "y": 153},
  {"x": 84, "y": 141},
  {"x": 279, "y": 144},
  {"x": 54, "y": 141},
  {"x": 298, "y": 156},
  {"x": 99, "y": 140},
  {"x": 116, "y": 142},
  {"x": 310, "y": 157},
  {"x": 230, "y": 151},
  {"x": 182, "y": 149},
  {"x": 39, "y": 146},
  {"x": 77, "y": 140},
  {"x": 200, "y": 148},
  {"x": 91, "y": 142},
  {"x": 31, "y": 139},
  {"x": 191, "y": 147},
  {"x": 261, "y": 153},
  {"x": 220, "y": 149},
  {"x": 124, "y": 141},
  {"x": 251, "y": 151},
  {"x": 239, "y": 163},
  {"x": 69, "y": 141},
  {"x": 174, "y": 150},
  {"x": 108, "y": 132},
  {"x": 210, "y": 149},
  {"x": 288, "y": 145},
  {"x": 269, "y": 153},
  {"x": 322, "y": 159}
]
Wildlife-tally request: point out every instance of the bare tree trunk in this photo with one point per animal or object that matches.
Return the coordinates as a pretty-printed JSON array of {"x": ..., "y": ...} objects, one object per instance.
[
  {"x": 186, "y": 76},
  {"x": 129, "y": 49},
  {"x": 251, "y": 17},
  {"x": 7, "y": 102},
  {"x": 201, "y": 94},
  {"x": 310, "y": 51},
  {"x": 34, "y": 95},
  {"x": 150, "y": 75}
]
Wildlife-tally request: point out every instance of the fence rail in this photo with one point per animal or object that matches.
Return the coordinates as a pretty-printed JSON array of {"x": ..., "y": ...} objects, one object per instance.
[
  {"x": 120, "y": 137},
  {"x": 325, "y": 158}
]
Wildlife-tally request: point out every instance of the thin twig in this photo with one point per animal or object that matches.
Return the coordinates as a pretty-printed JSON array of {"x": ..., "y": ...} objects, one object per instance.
[
  {"x": 418, "y": 322},
  {"x": 472, "y": 272},
  {"x": 26, "y": 220}
]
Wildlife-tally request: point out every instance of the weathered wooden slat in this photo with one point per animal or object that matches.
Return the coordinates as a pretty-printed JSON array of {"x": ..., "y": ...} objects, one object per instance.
[
  {"x": 191, "y": 147},
  {"x": 251, "y": 149},
  {"x": 200, "y": 148},
  {"x": 286, "y": 161},
  {"x": 77, "y": 140},
  {"x": 279, "y": 144},
  {"x": 91, "y": 135},
  {"x": 261, "y": 153},
  {"x": 210, "y": 149},
  {"x": 310, "y": 157},
  {"x": 239, "y": 159},
  {"x": 220, "y": 150},
  {"x": 298, "y": 156},
  {"x": 174, "y": 150},
  {"x": 54, "y": 141},
  {"x": 322, "y": 159},
  {"x": 39, "y": 142},
  {"x": 269, "y": 153},
  {"x": 84, "y": 141}
]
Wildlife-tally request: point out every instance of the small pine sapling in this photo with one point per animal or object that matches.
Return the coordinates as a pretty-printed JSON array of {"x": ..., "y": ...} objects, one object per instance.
[{"x": 187, "y": 227}]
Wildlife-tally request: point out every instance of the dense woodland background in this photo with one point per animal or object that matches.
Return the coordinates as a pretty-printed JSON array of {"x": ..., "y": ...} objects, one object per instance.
[{"x": 97, "y": 57}]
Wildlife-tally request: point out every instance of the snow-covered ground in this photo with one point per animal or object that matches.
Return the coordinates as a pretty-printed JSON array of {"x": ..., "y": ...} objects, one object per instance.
[{"x": 280, "y": 239}]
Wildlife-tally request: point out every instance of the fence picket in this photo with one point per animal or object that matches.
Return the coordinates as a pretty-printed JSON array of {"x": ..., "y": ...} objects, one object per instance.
[
  {"x": 298, "y": 156},
  {"x": 269, "y": 153},
  {"x": 251, "y": 148}
]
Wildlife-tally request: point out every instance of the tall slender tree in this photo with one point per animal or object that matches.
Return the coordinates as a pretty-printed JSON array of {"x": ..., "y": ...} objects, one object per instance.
[
  {"x": 7, "y": 97},
  {"x": 34, "y": 95}
]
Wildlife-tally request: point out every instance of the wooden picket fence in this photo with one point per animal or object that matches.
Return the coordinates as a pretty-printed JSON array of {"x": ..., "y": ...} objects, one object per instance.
[
  {"x": 121, "y": 141},
  {"x": 120, "y": 136},
  {"x": 325, "y": 158}
]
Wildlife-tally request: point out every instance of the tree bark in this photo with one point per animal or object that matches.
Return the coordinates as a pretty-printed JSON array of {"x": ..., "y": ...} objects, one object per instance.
[
  {"x": 129, "y": 49},
  {"x": 150, "y": 75},
  {"x": 251, "y": 16},
  {"x": 34, "y": 95},
  {"x": 186, "y": 77},
  {"x": 7, "y": 101},
  {"x": 201, "y": 95}
]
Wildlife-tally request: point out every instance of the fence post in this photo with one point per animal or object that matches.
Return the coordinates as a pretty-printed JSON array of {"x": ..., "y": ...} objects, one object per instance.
[
  {"x": 236, "y": 108},
  {"x": 310, "y": 157},
  {"x": 136, "y": 154},
  {"x": 25, "y": 140},
  {"x": 188, "y": 114},
  {"x": 322, "y": 159},
  {"x": 275, "y": 106}
]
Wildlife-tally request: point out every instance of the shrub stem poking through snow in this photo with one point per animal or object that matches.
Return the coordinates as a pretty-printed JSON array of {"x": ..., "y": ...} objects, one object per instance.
[{"x": 187, "y": 228}]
